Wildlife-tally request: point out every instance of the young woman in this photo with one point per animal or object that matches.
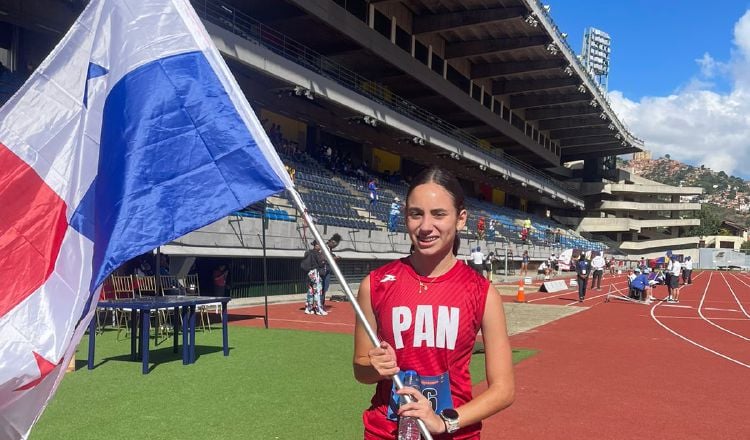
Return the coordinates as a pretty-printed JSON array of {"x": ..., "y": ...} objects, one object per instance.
[
  {"x": 427, "y": 310},
  {"x": 525, "y": 264}
]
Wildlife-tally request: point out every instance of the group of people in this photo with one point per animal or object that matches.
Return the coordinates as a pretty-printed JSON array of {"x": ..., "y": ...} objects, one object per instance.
[
  {"x": 318, "y": 273},
  {"x": 642, "y": 279}
]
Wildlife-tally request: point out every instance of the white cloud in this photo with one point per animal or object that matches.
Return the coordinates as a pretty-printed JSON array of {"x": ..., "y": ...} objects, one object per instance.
[{"x": 696, "y": 124}]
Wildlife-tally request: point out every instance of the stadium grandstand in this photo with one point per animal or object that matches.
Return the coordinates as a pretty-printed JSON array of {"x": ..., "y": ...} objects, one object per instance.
[{"x": 354, "y": 90}]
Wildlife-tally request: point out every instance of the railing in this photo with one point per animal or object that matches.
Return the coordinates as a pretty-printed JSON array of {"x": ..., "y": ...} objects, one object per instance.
[
  {"x": 538, "y": 9},
  {"x": 253, "y": 30}
]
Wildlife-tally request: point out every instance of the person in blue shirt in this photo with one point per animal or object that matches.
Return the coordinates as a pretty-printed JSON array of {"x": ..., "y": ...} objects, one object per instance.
[
  {"x": 583, "y": 270},
  {"x": 395, "y": 211},
  {"x": 373, "y": 188},
  {"x": 640, "y": 286}
]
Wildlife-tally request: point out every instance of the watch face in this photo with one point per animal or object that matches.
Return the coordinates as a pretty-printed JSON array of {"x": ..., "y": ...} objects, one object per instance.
[{"x": 449, "y": 413}]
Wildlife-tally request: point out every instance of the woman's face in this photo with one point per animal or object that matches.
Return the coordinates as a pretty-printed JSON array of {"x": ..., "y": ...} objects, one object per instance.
[{"x": 432, "y": 219}]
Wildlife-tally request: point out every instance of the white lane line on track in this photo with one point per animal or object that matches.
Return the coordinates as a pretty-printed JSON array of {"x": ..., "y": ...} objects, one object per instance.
[
  {"x": 697, "y": 317},
  {"x": 700, "y": 311},
  {"x": 686, "y": 339},
  {"x": 678, "y": 306},
  {"x": 721, "y": 310},
  {"x": 735, "y": 296}
]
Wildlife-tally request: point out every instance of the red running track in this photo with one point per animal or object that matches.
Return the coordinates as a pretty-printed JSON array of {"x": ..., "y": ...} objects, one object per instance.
[{"x": 616, "y": 370}]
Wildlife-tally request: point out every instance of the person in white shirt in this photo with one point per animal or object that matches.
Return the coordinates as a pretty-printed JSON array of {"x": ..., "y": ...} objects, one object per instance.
[
  {"x": 597, "y": 266},
  {"x": 477, "y": 259},
  {"x": 687, "y": 271},
  {"x": 674, "y": 281}
]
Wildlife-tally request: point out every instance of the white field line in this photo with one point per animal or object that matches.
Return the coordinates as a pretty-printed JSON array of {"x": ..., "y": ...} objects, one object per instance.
[
  {"x": 739, "y": 303},
  {"x": 684, "y": 338},
  {"x": 700, "y": 312}
]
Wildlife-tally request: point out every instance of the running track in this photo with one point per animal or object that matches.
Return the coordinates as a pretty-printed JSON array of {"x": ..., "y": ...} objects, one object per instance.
[{"x": 617, "y": 370}]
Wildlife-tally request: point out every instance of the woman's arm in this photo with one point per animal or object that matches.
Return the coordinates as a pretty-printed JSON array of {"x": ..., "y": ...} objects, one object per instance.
[
  {"x": 371, "y": 364},
  {"x": 500, "y": 392}
]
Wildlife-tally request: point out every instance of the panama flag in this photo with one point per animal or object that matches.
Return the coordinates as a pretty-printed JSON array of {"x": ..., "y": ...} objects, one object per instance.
[{"x": 130, "y": 134}]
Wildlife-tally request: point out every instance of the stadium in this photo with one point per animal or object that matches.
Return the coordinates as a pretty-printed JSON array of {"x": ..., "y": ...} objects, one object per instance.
[
  {"x": 354, "y": 90},
  {"x": 358, "y": 97}
]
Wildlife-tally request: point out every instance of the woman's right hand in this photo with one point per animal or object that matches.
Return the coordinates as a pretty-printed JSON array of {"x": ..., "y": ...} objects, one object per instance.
[{"x": 383, "y": 360}]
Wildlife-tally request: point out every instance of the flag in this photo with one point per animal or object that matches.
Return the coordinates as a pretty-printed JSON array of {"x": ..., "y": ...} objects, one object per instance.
[{"x": 130, "y": 134}]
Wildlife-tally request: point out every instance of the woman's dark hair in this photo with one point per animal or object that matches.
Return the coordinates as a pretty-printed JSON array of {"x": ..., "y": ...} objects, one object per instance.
[{"x": 449, "y": 182}]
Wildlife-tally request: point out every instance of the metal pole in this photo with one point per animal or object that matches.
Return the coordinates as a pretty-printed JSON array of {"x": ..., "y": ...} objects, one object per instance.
[
  {"x": 265, "y": 268},
  {"x": 297, "y": 199}
]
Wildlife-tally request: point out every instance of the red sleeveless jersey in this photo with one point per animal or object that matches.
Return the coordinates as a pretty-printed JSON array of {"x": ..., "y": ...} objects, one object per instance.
[{"x": 432, "y": 328}]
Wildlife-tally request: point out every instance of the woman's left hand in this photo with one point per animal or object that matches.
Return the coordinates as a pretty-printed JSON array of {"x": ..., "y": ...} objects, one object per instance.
[{"x": 421, "y": 408}]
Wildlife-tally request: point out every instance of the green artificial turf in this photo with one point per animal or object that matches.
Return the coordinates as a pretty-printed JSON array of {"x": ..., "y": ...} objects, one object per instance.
[{"x": 276, "y": 384}]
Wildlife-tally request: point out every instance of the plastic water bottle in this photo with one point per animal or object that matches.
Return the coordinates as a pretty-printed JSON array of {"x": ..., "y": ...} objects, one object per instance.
[{"x": 408, "y": 428}]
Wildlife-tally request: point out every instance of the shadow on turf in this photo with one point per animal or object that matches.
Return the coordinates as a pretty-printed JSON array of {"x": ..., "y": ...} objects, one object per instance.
[{"x": 156, "y": 357}]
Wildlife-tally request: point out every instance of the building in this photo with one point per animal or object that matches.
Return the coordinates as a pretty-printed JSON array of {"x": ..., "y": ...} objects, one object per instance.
[
  {"x": 640, "y": 217},
  {"x": 642, "y": 155}
]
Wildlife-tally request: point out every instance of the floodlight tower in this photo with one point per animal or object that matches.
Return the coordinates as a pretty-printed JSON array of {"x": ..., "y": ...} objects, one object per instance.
[{"x": 595, "y": 55}]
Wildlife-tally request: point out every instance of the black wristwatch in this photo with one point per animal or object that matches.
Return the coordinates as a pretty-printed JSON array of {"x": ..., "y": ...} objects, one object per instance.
[{"x": 450, "y": 418}]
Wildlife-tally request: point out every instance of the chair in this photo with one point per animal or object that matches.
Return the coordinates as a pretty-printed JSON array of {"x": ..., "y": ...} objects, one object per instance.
[
  {"x": 192, "y": 288},
  {"x": 123, "y": 287},
  {"x": 147, "y": 287},
  {"x": 169, "y": 285}
]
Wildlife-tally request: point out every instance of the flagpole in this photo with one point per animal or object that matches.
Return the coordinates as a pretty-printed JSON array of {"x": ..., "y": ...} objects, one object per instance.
[{"x": 297, "y": 199}]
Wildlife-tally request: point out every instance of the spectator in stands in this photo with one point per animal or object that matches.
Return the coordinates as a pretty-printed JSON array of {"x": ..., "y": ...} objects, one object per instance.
[
  {"x": 597, "y": 267},
  {"x": 687, "y": 271},
  {"x": 431, "y": 278},
  {"x": 220, "y": 275},
  {"x": 583, "y": 270},
  {"x": 491, "y": 230},
  {"x": 332, "y": 243},
  {"x": 372, "y": 186},
  {"x": 292, "y": 172},
  {"x": 525, "y": 264},
  {"x": 393, "y": 217},
  {"x": 480, "y": 228}
]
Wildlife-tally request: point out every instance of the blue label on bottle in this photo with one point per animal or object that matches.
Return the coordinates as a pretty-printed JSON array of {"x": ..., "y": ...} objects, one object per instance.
[{"x": 437, "y": 389}]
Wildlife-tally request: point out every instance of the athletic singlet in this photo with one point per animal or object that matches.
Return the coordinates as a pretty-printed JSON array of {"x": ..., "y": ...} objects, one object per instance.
[{"x": 432, "y": 330}]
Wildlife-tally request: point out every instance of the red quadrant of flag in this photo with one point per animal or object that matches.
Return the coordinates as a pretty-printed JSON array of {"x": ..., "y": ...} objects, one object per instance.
[{"x": 32, "y": 227}]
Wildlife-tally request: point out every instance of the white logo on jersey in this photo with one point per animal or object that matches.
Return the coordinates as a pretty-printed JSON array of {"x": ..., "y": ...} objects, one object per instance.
[
  {"x": 425, "y": 333},
  {"x": 388, "y": 277}
]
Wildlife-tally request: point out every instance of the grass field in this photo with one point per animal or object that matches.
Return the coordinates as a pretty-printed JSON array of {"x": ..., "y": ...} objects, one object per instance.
[{"x": 276, "y": 384}]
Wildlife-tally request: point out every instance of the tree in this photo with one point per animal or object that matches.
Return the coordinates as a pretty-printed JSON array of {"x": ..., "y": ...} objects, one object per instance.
[
  {"x": 668, "y": 156},
  {"x": 710, "y": 222}
]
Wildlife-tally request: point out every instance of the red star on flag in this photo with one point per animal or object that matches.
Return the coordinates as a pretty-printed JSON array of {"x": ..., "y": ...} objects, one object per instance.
[{"x": 45, "y": 368}]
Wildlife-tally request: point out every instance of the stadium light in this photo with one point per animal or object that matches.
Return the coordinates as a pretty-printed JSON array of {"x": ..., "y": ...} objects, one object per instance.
[
  {"x": 611, "y": 126},
  {"x": 547, "y": 8},
  {"x": 523, "y": 184},
  {"x": 593, "y": 103},
  {"x": 531, "y": 20},
  {"x": 582, "y": 88},
  {"x": 552, "y": 49},
  {"x": 298, "y": 90},
  {"x": 309, "y": 95},
  {"x": 617, "y": 136},
  {"x": 564, "y": 35},
  {"x": 483, "y": 167},
  {"x": 603, "y": 116},
  {"x": 568, "y": 70},
  {"x": 372, "y": 122}
]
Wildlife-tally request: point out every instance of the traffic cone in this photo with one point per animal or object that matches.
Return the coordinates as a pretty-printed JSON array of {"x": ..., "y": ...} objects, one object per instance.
[{"x": 520, "y": 297}]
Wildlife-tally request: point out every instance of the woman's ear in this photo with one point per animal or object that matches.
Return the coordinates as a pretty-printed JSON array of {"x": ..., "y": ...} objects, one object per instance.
[{"x": 461, "y": 221}]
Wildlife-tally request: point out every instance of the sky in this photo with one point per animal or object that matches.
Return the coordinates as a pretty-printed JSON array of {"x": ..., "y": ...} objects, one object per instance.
[{"x": 679, "y": 73}]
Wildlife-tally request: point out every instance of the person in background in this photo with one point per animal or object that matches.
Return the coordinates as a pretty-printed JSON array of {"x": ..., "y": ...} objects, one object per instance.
[
  {"x": 395, "y": 211},
  {"x": 583, "y": 270},
  {"x": 491, "y": 230},
  {"x": 640, "y": 287},
  {"x": 372, "y": 187},
  {"x": 674, "y": 281},
  {"x": 220, "y": 275},
  {"x": 687, "y": 271},
  {"x": 597, "y": 267},
  {"x": 480, "y": 228},
  {"x": 525, "y": 264},
  {"x": 332, "y": 243},
  {"x": 392, "y": 298},
  {"x": 313, "y": 263},
  {"x": 477, "y": 260}
]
